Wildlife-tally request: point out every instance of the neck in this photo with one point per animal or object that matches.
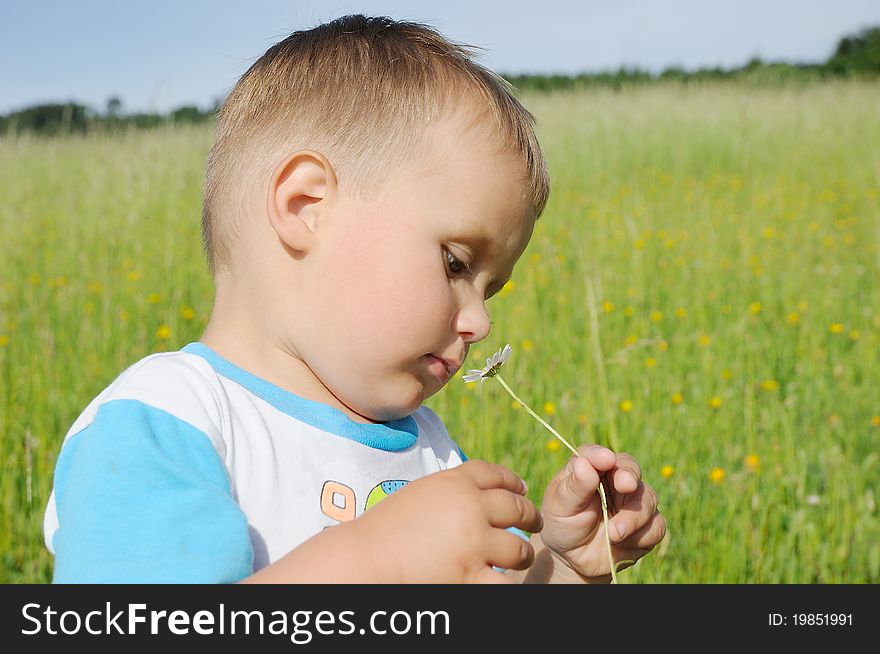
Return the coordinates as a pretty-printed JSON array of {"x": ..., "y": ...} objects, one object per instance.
[{"x": 240, "y": 331}]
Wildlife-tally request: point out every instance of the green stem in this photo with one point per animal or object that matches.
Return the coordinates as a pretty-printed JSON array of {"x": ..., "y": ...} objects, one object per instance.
[
  {"x": 600, "y": 364},
  {"x": 576, "y": 453},
  {"x": 536, "y": 416}
]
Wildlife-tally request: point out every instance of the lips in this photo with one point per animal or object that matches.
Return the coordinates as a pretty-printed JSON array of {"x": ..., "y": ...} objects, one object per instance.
[{"x": 443, "y": 368}]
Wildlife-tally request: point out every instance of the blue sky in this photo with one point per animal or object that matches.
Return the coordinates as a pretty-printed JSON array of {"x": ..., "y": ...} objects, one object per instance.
[{"x": 162, "y": 54}]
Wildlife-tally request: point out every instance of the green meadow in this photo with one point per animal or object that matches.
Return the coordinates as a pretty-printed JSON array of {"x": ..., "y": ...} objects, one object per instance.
[{"x": 730, "y": 234}]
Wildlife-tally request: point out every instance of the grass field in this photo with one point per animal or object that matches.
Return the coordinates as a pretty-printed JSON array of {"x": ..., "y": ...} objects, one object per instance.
[{"x": 732, "y": 235}]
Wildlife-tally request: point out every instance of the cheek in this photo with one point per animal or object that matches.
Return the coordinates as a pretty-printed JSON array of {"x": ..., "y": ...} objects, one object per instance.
[
  {"x": 408, "y": 300},
  {"x": 405, "y": 299}
]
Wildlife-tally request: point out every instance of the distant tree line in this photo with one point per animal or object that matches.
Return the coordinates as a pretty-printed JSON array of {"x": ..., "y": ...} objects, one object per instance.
[
  {"x": 856, "y": 55},
  {"x": 71, "y": 117}
]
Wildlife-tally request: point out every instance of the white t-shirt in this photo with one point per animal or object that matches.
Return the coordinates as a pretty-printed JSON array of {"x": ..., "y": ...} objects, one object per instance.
[{"x": 189, "y": 469}]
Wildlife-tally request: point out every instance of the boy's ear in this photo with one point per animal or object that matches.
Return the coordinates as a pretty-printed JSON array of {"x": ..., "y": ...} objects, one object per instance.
[{"x": 297, "y": 189}]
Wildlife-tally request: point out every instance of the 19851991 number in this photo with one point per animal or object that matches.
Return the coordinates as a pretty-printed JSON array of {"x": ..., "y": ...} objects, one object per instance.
[{"x": 810, "y": 620}]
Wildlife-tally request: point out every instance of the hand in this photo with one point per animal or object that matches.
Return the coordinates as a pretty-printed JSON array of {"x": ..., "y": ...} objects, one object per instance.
[
  {"x": 574, "y": 528},
  {"x": 449, "y": 527}
]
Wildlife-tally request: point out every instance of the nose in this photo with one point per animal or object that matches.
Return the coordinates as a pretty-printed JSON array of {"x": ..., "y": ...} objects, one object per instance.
[{"x": 472, "y": 322}]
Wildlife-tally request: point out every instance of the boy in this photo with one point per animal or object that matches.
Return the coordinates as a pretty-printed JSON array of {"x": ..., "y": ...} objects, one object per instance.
[{"x": 368, "y": 189}]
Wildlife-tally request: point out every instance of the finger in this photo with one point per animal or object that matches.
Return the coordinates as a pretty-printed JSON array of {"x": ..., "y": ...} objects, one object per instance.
[
  {"x": 638, "y": 509},
  {"x": 626, "y": 478},
  {"x": 646, "y": 537},
  {"x": 507, "y": 550},
  {"x": 601, "y": 458},
  {"x": 508, "y": 510},
  {"x": 573, "y": 488},
  {"x": 492, "y": 475}
]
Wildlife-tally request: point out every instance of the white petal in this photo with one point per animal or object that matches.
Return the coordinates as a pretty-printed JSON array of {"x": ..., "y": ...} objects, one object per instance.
[{"x": 472, "y": 376}]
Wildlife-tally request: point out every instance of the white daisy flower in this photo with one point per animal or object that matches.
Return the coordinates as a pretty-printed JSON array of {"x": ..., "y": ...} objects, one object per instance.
[{"x": 493, "y": 365}]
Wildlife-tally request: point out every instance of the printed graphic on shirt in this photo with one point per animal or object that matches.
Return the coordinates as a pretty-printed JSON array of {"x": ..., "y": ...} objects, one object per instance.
[
  {"x": 383, "y": 490},
  {"x": 338, "y": 500}
]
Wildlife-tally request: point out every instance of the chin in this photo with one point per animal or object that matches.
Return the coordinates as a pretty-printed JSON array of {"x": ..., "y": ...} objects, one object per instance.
[
  {"x": 395, "y": 413},
  {"x": 399, "y": 410}
]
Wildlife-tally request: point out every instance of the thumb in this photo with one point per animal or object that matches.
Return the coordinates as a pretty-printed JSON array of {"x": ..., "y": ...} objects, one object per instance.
[{"x": 573, "y": 489}]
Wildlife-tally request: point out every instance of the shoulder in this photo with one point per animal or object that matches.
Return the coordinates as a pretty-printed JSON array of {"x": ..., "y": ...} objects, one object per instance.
[
  {"x": 155, "y": 432},
  {"x": 177, "y": 383}
]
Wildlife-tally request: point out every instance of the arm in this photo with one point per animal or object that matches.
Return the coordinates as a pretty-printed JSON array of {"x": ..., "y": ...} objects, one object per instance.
[
  {"x": 447, "y": 527},
  {"x": 336, "y": 555}
]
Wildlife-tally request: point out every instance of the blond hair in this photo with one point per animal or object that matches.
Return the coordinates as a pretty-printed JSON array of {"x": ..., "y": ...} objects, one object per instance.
[{"x": 360, "y": 90}]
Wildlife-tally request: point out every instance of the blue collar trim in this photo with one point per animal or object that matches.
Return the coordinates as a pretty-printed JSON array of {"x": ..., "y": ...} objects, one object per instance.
[{"x": 392, "y": 436}]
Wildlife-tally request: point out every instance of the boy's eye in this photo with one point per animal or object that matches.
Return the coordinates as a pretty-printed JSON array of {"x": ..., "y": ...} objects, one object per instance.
[{"x": 455, "y": 265}]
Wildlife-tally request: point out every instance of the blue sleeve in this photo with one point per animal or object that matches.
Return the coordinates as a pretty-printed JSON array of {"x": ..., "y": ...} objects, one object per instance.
[{"x": 143, "y": 497}]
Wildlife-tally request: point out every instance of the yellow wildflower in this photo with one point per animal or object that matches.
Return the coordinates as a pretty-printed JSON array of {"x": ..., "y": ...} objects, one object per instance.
[
  {"x": 154, "y": 298},
  {"x": 549, "y": 408},
  {"x": 553, "y": 445},
  {"x": 715, "y": 403},
  {"x": 681, "y": 312},
  {"x": 677, "y": 398},
  {"x": 187, "y": 313},
  {"x": 770, "y": 384},
  {"x": 163, "y": 333},
  {"x": 753, "y": 462},
  {"x": 656, "y": 316},
  {"x": 4, "y": 340},
  {"x": 836, "y": 328},
  {"x": 607, "y": 306},
  {"x": 667, "y": 471},
  {"x": 793, "y": 318},
  {"x": 704, "y": 340},
  {"x": 527, "y": 345},
  {"x": 626, "y": 406},
  {"x": 875, "y": 421},
  {"x": 716, "y": 475},
  {"x": 755, "y": 308},
  {"x": 854, "y": 335},
  {"x": 650, "y": 362}
]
